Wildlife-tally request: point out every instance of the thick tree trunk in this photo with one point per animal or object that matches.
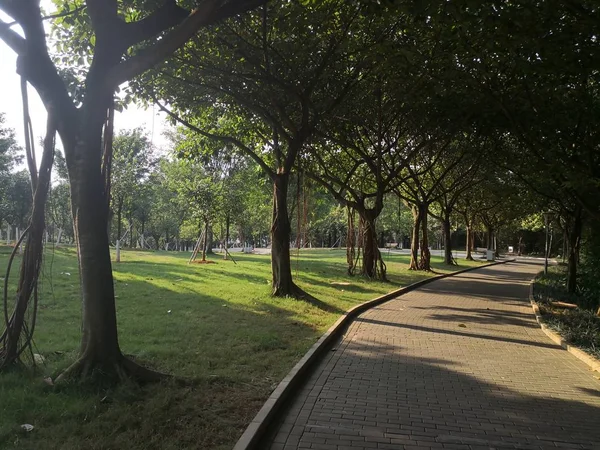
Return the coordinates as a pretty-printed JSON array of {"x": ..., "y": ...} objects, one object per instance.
[
  {"x": 414, "y": 243},
  {"x": 469, "y": 246},
  {"x": 372, "y": 263},
  {"x": 209, "y": 241},
  {"x": 574, "y": 242},
  {"x": 447, "y": 240},
  {"x": 100, "y": 354},
  {"x": 99, "y": 344},
  {"x": 489, "y": 237},
  {"x": 425, "y": 262},
  {"x": 281, "y": 267}
]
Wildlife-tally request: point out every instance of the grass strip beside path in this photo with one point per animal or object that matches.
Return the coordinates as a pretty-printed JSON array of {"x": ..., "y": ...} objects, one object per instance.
[{"x": 579, "y": 327}]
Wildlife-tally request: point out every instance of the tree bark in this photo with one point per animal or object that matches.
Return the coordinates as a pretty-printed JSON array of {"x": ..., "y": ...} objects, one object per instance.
[
  {"x": 414, "y": 243},
  {"x": 574, "y": 242},
  {"x": 425, "y": 261},
  {"x": 489, "y": 237},
  {"x": 469, "y": 246},
  {"x": 447, "y": 240},
  {"x": 209, "y": 241},
  {"x": 225, "y": 244},
  {"x": 372, "y": 263},
  {"x": 100, "y": 354},
  {"x": 282, "y": 282},
  {"x": 99, "y": 344},
  {"x": 206, "y": 241},
  {"x": 119, "y": 214},
  {"x": 32, "y": 259},
  {"x": 351, "y": 242}
]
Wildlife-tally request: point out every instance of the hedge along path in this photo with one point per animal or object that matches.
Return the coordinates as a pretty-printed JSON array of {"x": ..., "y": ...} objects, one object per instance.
[{"x": 578, "y": 353}]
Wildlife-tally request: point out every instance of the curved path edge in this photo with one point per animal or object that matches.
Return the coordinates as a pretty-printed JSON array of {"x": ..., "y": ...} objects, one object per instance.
[
  {"x": 259, "y": 425},
  {"x": 583, "y": 356}
]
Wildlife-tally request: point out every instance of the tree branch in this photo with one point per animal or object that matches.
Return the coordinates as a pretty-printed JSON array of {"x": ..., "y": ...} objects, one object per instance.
[
  {"x": 165, "y": 17},
  {"x": 208, "y": 12},
  {"x": 12, "y": 38},
  {"x": 227, "y": 139}
]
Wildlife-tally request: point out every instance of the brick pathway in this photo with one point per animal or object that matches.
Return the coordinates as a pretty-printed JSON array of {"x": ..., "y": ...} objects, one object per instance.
[{"x": 458, "y": 364}]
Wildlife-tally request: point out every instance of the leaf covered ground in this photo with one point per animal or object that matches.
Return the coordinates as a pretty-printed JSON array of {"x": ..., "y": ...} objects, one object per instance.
[{"x": 580, "y": 327}]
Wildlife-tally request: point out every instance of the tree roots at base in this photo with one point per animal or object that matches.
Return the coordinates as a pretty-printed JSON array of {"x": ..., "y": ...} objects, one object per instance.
[
  {"x": 293, "y": 291},
  {"x": 121, "y": 370}
]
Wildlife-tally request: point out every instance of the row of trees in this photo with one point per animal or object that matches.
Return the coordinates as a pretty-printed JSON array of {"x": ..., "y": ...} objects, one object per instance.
[{"x": 453, "y": 109}]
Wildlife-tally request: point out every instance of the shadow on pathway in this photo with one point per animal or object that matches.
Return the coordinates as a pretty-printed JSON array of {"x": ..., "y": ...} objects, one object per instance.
[{"x": 459, "y": 364}]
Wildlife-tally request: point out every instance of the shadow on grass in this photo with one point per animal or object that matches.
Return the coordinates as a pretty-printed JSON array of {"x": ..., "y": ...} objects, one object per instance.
[{"x": 236, "y": 353}]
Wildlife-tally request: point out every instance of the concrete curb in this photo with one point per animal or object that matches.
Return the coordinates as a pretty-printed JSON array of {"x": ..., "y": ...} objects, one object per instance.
[
  {"x": 592, "y": 362},
  {"x": 257, "y": 428}
]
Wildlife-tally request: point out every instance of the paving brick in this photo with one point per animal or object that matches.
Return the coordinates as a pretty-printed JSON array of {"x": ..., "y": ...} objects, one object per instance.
[{"x": 458, "y": 364}]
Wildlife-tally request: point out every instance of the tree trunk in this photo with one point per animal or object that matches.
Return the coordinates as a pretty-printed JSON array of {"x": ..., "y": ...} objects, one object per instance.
[
  {"x": 489, "y": 237},
  {"x": 209, "y": 241},
  {"x": 447, "y": 240},
  {"x": 565, "y": 244},
  {"x": 119, "y": 213},
  {"x": 351, "y": 242},
  {"x": 205, "y": 243},
  {"x": 281, "y": 267},
  {"x": 425, "y": 262},
  {"x": 372, "y": 263},
  {"x": 225, "y": 244},
  {"x": 99, "y": 344},
  {"x": 574, "y": 241},
  {"x": 100, "y": 354},
  {"x": 31, "y": 262},
  {"x": 496, "y": 251},
  {"x": 414, "y": 243},
  {"x": 469, "y": 246},
  {"x": 131, "y": 241}
]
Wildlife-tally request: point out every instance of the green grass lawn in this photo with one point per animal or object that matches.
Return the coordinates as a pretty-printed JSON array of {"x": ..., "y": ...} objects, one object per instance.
[{"x": 224, "y": 331}]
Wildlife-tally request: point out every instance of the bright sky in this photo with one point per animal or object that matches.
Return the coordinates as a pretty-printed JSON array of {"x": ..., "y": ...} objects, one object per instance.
[{"x": 11, "y": 106}]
